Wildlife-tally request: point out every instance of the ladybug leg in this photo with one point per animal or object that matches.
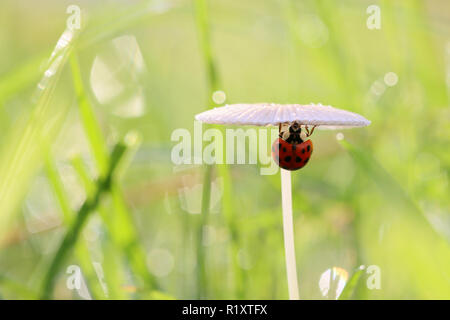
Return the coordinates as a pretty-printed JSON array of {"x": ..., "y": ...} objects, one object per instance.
[{"x": 307, "y": 131}]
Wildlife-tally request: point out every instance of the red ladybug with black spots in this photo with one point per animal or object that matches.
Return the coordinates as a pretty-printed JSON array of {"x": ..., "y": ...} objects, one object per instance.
[{"x": 289, "y": 151}]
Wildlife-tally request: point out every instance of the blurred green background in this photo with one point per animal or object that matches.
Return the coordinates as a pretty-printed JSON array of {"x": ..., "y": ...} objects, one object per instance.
[{"x": 133, "y": 222}]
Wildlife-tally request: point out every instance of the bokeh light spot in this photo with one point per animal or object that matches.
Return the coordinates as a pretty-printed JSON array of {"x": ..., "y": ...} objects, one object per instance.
[
  {"x": 219, "y": 97},
  {"x": 160, "y": 262},
  {"x": 390, "y": 79}
]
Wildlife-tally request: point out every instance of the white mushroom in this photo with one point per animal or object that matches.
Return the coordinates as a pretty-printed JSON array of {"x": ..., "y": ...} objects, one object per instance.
[{"x": 263, "y": 114}]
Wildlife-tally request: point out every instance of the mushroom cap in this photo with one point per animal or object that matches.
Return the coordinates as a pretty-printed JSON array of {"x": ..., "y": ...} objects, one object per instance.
[{"x": 264, "y": 114}]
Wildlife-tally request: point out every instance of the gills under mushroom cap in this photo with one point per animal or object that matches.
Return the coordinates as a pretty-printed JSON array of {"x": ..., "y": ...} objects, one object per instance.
[{"x": 263, "y": 114}]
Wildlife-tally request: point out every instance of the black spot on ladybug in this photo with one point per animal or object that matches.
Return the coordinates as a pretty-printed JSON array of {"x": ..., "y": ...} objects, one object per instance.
[{"x": 291, "y": 156}]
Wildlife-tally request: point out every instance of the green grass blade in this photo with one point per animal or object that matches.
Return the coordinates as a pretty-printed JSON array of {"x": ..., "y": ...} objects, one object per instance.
[
  {"x": 28, "y": 135},
  {"x": 114, "y": 279},
  {"x": 202, "y": 284},
  {"x": 113, "y": 270},
  {"x": 73, "y": 232},
  {"x": 19, "y": 78},
  {"x": 81, "y": 249},
  {"x": 83, "y": 175},
  {"x": 58, "y": 189},
  {"x": 203, "y": 29},
  {"x": 351, "y": 285},
  {"x": 120, "y": 225},
  {"x": 202, "y": 20},
  {"x": 91, "y": 127},
  {"x": 118, "y": 220}
]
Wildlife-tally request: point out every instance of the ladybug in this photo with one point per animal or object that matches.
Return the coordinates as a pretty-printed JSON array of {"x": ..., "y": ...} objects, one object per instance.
[{"x": 292, "y": 153}]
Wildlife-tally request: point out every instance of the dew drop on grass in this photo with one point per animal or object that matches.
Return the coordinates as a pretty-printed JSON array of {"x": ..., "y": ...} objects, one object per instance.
[{"x": 332, "y": 282}]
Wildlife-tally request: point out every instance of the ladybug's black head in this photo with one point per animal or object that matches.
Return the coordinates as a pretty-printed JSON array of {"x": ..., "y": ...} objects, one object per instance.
[
  {"x": 294, "y": 133},
  {"x": 295, "y": 128}
]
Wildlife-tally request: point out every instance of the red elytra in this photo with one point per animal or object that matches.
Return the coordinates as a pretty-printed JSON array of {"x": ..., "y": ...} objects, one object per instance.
[{"x": 291, "y": 156}]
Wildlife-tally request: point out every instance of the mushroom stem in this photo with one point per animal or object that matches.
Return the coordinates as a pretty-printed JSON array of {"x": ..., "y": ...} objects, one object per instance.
[{"x": 288, "y": 230}]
